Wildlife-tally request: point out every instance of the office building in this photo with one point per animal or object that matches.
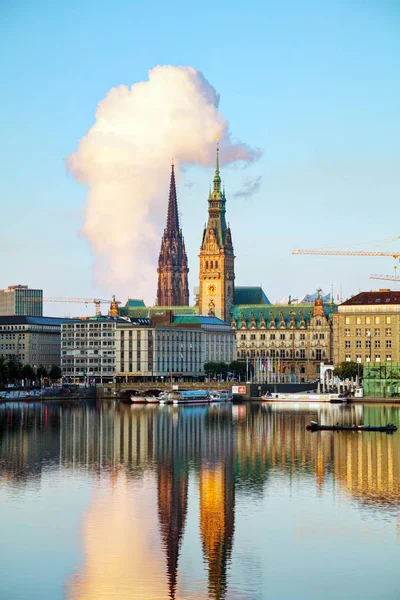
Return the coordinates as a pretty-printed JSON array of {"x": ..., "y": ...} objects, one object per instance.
[
  {"x": 35, "y": 341},
  {"x": 19, "y": 300},
  {"x": 366, "y": 328}
]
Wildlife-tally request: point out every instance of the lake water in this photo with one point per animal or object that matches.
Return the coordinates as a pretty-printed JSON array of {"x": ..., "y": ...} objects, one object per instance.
[{"x": 107, "y": 502}]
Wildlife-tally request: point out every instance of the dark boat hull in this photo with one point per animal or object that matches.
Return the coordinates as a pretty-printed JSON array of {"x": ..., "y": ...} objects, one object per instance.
[{"x": 384, "y": 428}]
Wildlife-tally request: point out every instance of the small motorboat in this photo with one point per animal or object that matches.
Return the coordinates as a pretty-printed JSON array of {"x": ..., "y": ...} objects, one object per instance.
[{"x": 388, "y": 428}]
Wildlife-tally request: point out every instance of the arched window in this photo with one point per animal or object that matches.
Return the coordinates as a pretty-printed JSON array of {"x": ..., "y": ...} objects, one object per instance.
[
  {"x": 206, "y": 264},
  {"x": 211, "y": 264},
  {"x": 216, "y": 264},
  {"x": 319, "y": 322}
]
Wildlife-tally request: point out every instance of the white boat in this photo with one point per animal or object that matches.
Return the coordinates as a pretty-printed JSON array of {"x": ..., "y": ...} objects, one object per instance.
[
  {"x": 188, "y": 397},
  {"x": 144, "y": 399},
  {"x": 153, "y": 399},
  {"x": 306, "y": 397},
  {"x": 221, "y": 396}
]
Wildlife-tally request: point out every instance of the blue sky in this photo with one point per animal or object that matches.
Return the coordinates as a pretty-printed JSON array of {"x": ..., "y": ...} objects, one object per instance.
[{"x": 315, "y": 85}]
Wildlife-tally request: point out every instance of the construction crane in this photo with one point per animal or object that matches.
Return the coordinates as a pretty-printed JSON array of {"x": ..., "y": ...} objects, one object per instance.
[
  {"x": 96, "y": 301},
  {"x": 394, "y": 255},
  {"x": 385, "y": 277}
]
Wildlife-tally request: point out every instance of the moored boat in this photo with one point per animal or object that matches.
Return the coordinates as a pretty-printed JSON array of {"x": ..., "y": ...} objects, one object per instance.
[
  {"x": 221, "y": 396},
  {"x": 144, "y": 399},
  {"x": 314, "y": 426},
  {"x": 306, "y": 397},
  {"x": 188, "y": 397}
]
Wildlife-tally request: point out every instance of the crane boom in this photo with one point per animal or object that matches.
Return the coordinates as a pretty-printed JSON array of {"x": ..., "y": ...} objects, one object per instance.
[
  {"x": 82, "y": 300},
  {"x": 394, "y": 255},
  {"x": 95, "y": 301},
  {"x": 385, "y": 277}
]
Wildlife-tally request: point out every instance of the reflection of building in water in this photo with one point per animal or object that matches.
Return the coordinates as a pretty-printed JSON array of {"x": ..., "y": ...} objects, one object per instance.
[
  {"x": 172, "y": 507},
  {"x": 123, "y": 556},
  {"x": 367, "y": 466},
  {"x": 217, "y": 503},
  {"x": 29, "y": 441},
  {"x": 172, "y": 482},
  {"x": 274, "y": 438}
]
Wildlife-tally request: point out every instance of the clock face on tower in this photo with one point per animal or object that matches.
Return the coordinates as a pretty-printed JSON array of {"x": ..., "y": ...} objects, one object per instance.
[{"x": 211, "y": 289}]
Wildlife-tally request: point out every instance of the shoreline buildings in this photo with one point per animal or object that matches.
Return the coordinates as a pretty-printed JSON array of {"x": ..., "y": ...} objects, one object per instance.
[
  {"x": 288, "y": 340},
  {"x": 163, "y": 347}
]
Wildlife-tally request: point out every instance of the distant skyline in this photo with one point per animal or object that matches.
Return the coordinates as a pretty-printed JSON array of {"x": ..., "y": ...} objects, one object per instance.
[{"x": 313, "y": 86}]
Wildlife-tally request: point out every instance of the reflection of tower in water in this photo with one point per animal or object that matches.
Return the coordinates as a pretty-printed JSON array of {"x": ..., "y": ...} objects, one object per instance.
[
  {"x": 217, "y": 504},
  {"x": 172, "y": 484}
]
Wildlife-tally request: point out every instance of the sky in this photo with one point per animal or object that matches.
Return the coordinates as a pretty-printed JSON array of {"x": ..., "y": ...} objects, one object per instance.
[{"x": 311, "y": 88}]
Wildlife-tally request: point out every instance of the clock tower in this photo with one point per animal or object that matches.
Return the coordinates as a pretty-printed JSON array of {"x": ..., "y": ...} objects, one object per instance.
[{"x": 217, "y": 271}]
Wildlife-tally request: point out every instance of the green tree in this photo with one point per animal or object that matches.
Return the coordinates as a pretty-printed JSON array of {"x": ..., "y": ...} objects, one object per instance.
[
  {"x": 222, "y": 369},
  {"x": 14, "y": 370},
  {"x": 348, "y": 370},
  {"x": 55, "y": 372},
  {"x": 28, "y": 372},
  {"x": 238, "y": 368},
  {"x": 211, "y": 368},
  {"x": 215, "y": 369},
  {"x": 41, "y": 372},
  {"x": 3, "y": 371}
]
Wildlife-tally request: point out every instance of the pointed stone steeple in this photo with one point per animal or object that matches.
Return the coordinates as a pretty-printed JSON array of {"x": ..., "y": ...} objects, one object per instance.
[
  {"x": 173, "y": 217},
  {"x": 173, "y": 289}
]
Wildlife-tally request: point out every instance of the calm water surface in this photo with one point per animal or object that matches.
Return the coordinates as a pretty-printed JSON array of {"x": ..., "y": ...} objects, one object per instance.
[{"x": 101, "y": 502}]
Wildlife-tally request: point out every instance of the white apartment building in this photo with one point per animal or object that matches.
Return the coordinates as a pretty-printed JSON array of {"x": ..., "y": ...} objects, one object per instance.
[
  {"x": 102, "y": 348},
  {"x": 88, "y": 351}
]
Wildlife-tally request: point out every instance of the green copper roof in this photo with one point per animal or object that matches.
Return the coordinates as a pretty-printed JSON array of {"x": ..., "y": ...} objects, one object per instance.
[
  {"x": 132, "y": 302},
  {"x": 250, "y": 295},
  {"x": 145, "y": 311},
  {"x": 197, "y": 320},
  {"x": 274, "y": 310}
]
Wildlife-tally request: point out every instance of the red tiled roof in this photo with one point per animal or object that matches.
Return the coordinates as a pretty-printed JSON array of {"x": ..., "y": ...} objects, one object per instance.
[{"x": 382, "y": 297}]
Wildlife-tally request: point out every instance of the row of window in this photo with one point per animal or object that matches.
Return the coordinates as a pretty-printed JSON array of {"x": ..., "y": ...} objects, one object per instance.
[
  {"x": 377, "y": 344},
  {"x": 281, "y": 336},
  {"x": 91, "y": 361},
  {"x": 88, "y": 325},
  {"x": 106, "y": 369},
  {"x": 375, "y": 358},
  {"x": 12, "y": 346},
  {"x": 213, "y": 264},
  {"x": 367, "y": 332},
  {"x": 317, "y": 354},
  {"x": 368, "y": 320}
]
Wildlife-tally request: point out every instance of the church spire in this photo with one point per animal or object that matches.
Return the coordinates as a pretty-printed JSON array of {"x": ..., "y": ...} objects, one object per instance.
[
  {"x": 172, "y": 269},
  {"x": 217, "y": 178},
  {"x": 172, "y": 218}
]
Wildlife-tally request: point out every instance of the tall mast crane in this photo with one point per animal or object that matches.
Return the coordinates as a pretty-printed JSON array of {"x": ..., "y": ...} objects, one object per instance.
[{"x": 96, "y": 301}]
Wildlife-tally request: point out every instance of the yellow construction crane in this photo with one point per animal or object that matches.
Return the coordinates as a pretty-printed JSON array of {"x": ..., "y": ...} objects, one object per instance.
[
  {"x": 333, "y": 252},
  {"x": 394, "y": 255},
  {"x": 386, "y": 277},
  {"x": 96, "y": 301}
]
